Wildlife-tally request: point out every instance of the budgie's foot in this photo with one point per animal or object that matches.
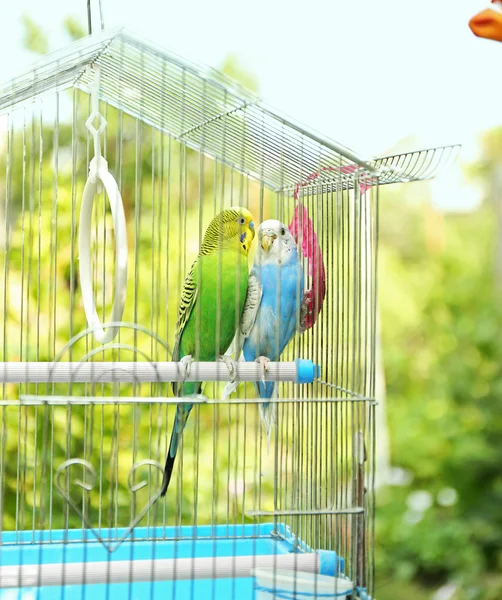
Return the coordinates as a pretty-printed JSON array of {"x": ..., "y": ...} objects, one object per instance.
[
  {"x": 263, "y": 362},
  {"x": 231, "y": 366},
  {"x": 186, "y": 363}
]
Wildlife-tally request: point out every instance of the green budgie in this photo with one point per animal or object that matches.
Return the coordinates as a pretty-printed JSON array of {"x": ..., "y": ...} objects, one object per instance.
[{"x": 211, "y": 305}]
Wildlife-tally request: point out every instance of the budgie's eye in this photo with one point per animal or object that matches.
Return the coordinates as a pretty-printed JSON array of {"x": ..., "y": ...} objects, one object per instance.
[
  {"x": 283, "y": 231},
  {"x": 242, "y": 221}
]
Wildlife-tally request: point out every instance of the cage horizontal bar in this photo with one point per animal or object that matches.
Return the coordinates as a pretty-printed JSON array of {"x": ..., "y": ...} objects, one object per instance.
[
  {"x": 126, "y": 571},
  {"x": 153, "y": 533},
  {"x": 300, "y": 371},
  {"x": 53, "y": 400},
  {"x": 355, "y": 510},
  {"x": 28, "y": 538}
]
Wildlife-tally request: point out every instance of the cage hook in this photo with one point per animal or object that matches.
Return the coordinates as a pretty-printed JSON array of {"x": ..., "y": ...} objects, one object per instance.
[
  {"x": 89, "y": 16},
  {"x": 99, "y": 178}
]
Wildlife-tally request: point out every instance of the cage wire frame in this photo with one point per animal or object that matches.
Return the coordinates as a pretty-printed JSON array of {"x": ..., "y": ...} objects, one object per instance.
[{"x": 81, "y": 456}]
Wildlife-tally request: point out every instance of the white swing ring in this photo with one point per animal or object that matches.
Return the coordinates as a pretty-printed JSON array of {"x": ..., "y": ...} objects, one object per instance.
[{"x": 99, "y": 174}]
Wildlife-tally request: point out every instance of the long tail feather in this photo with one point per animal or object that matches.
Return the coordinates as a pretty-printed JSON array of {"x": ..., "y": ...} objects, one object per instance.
[
  {"x": 182, "y": 414},
  {"x": 169, "y": 466},
  {"x": 268, "y": 410},
  {"x": 268, "y": 414}
]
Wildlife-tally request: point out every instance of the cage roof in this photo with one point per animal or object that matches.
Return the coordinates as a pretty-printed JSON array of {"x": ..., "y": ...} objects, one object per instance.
[{"x": 208, "y": 111}]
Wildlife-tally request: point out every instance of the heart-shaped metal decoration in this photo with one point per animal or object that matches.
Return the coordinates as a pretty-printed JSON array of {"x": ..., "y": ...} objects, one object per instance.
[{"x": 88, "y": 486}]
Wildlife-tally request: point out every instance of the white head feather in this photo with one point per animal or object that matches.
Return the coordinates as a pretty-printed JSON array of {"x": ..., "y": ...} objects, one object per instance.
[{"x": 275, "y": 243}]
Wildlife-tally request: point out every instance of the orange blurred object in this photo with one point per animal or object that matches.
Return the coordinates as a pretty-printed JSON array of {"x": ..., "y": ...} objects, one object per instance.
[{"x": 488, "y": 23}]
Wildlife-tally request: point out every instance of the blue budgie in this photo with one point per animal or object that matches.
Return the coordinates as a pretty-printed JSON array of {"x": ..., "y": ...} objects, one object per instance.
[{"x": 272, "y": 308}]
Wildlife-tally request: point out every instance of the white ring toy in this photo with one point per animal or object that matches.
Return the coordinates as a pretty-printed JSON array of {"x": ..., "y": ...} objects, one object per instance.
[{"x": 99, "y": 174}]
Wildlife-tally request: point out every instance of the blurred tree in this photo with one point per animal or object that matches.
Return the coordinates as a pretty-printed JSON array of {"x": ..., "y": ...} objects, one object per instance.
[
  {"x": 34, "y": 38},
  {"x": 441, "y": 318},
  {"x": 234, "y": 69},
  {"x": 489, "y": 174},
  {"x": 74, "y": 28}
]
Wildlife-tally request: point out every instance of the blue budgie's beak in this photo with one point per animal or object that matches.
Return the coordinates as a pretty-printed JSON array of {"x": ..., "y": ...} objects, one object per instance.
[{"x": 267, "y": 240}]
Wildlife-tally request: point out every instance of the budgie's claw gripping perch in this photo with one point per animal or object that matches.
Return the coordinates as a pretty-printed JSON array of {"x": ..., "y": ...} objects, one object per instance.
[
  {"x": 186, "y": 363},
  {"x": 231, "y": 366},
  {"x": 263, "y": 362}
]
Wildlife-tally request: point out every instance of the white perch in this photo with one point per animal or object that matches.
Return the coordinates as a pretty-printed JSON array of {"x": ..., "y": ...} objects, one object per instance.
[
  {"x": 299, "y": 371},
  {"x": 165, "y": 569}
]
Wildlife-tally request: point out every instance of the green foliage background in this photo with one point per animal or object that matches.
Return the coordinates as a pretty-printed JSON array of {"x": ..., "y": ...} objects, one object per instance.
[{"x": 441, "y": 317}]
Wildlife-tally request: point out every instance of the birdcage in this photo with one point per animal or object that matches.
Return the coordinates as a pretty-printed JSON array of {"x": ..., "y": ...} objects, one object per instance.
[{"x": 115, "y": 156}]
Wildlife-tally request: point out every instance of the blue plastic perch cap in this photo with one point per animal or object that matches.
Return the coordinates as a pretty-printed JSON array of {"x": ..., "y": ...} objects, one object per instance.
[
  {"x": 331, "y": 564},
  {"x": 306, "y": 371}
]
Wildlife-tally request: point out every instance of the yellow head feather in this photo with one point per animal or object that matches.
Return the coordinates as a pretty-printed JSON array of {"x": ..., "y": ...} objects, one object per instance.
[{"x": 233, "y": 227}]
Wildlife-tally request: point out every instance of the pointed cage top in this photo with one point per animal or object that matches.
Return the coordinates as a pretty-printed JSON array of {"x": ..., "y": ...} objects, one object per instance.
[{"x": 211, "y": 113}]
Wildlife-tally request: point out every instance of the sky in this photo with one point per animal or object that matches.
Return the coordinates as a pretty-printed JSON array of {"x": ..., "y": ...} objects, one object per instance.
[{"x": 364, "y": 73}]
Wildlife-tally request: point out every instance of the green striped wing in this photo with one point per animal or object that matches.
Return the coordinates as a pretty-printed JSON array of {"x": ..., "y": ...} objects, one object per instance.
[{"x": 187, "y": 302}]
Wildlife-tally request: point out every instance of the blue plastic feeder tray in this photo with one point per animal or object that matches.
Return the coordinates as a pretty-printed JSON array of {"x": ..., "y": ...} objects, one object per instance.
[{"x": 70, "y": 554}]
